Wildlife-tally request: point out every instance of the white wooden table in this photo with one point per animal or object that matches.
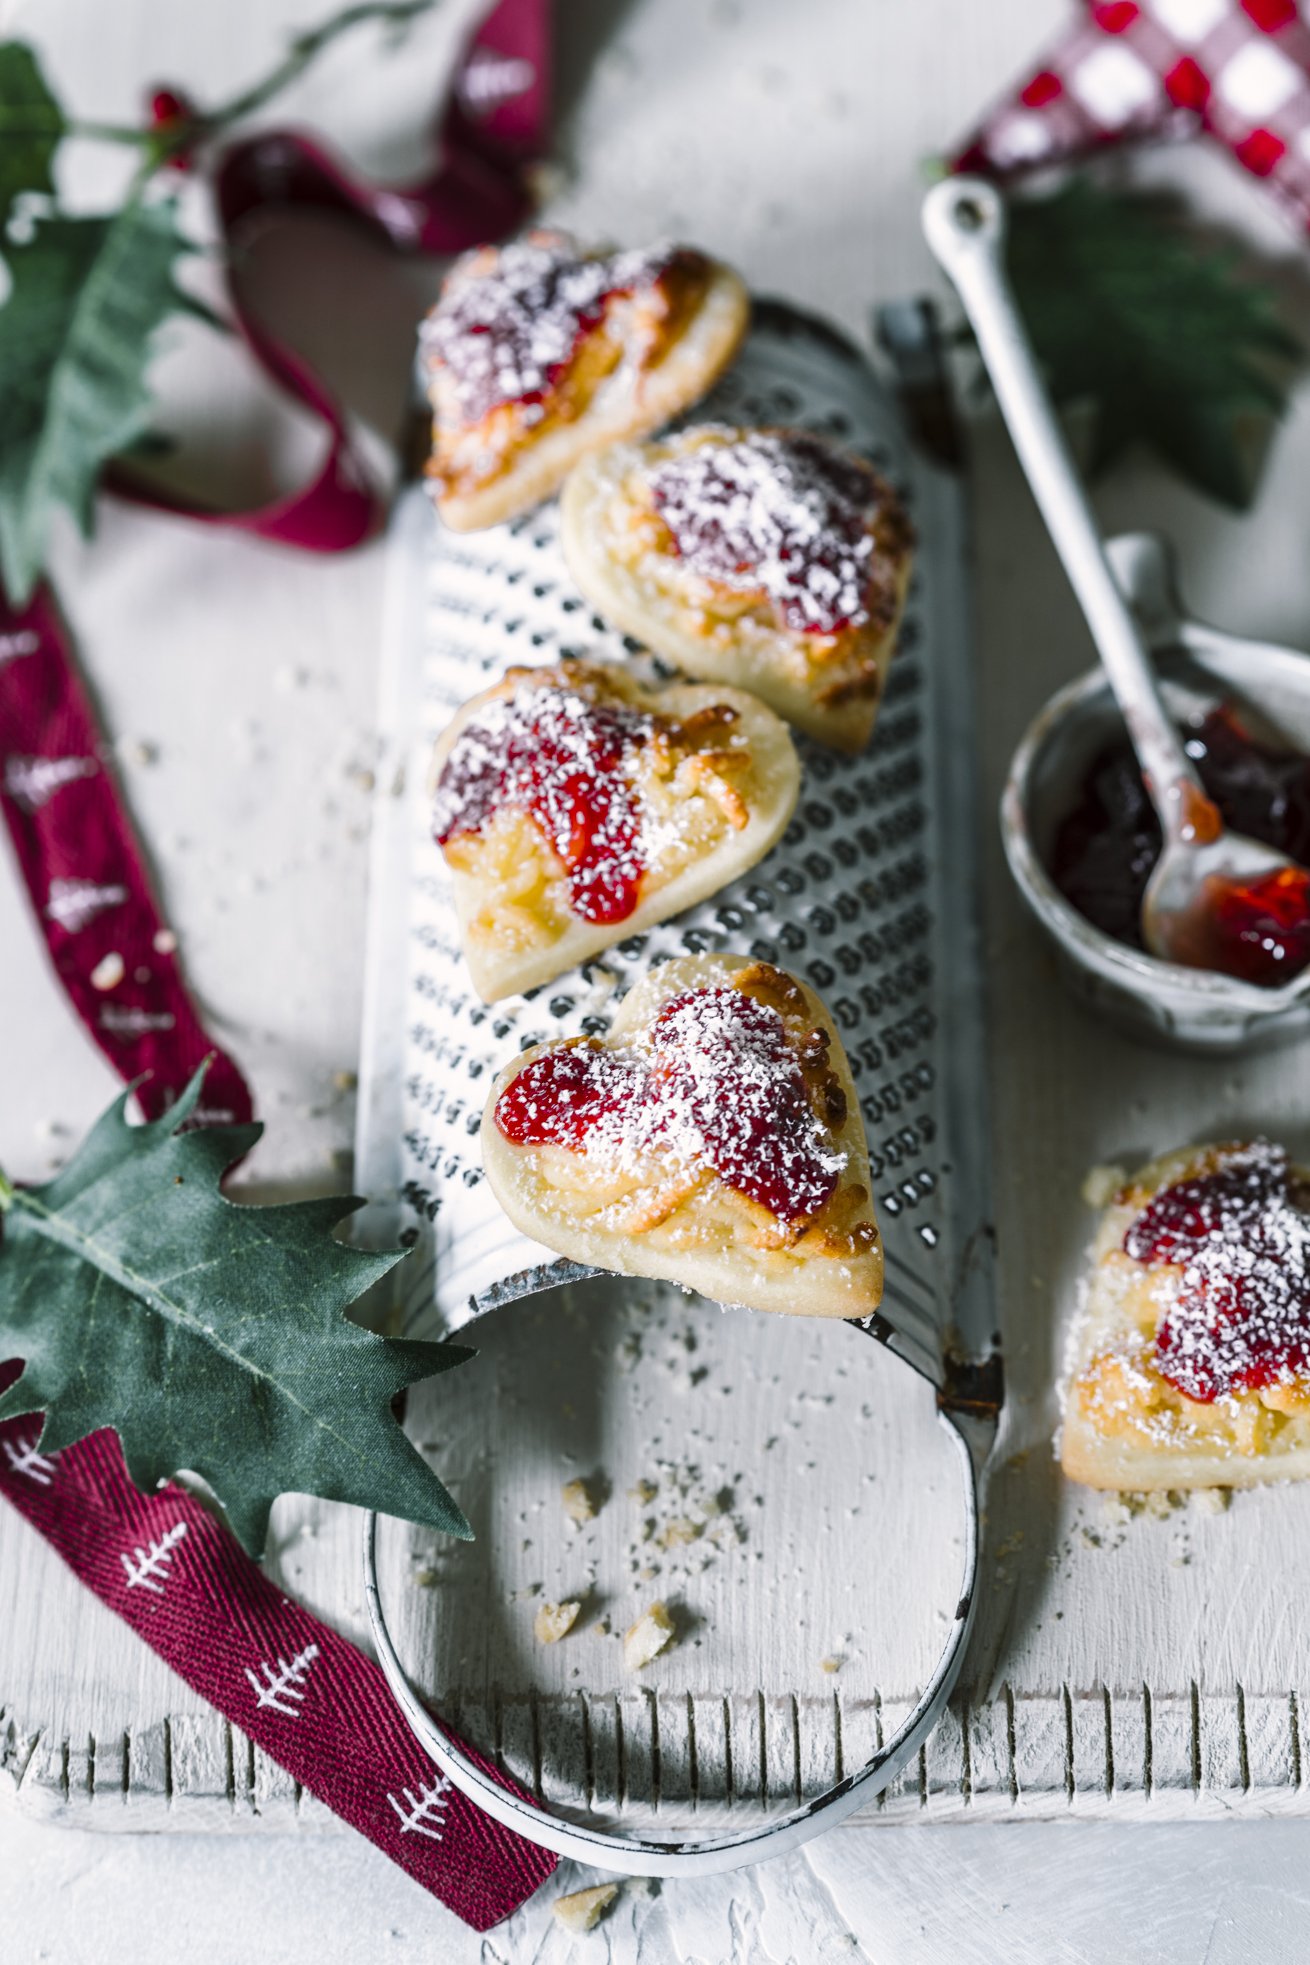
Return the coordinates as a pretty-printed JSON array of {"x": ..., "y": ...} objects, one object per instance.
[{"x": 246, "y": 678}]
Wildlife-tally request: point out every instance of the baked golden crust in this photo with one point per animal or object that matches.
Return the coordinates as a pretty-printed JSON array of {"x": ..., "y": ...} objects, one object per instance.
[
  {"x": 657, "y": 1210},
  {"x": 713, "y": 779},
  {"x": 637, "y": 354},
  {"x": 1126, "y": 1424},
  {"x": 626, "y": 561}
]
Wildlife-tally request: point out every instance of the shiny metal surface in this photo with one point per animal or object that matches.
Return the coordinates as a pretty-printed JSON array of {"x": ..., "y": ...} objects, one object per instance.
[{"x": 872, "y": 896}]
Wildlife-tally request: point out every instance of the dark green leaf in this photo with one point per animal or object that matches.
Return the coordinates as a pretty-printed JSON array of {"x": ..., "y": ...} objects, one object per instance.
[
  {"x": 212, "y": 1337},
  {"x": 151, "y": 444},
  {"x": 75, "y": 340},
  {"x": 31, "y": 124},
  {"x": 1170, "y": 342}
]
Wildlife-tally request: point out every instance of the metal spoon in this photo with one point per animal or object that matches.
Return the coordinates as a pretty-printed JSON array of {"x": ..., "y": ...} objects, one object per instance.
[{"x": 1201, "y": 861}]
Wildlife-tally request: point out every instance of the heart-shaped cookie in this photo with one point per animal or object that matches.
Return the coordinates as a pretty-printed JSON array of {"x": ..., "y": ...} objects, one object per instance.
[
  {"x": 576, "y": 808},
  {"x": 713, "y": 1139},
  {"x": 771, "y": 559},
  {"x": 1191, "y": 1357},
  {"x": 538, "y": 352}
]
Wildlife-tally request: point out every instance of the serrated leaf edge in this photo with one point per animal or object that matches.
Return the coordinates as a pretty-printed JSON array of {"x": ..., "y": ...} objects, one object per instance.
[{"x": 434, "y": 1357}]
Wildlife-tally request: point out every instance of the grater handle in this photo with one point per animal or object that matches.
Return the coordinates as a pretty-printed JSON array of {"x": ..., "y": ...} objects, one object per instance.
[{"x": 708, "y": 1855}]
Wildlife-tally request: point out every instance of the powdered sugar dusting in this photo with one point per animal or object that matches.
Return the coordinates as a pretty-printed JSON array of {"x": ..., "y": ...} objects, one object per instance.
[
  {"x": 713, "y": 1086},
  {"x": 567, "y": 760},
  {"x": 505, "y": 334},
  {"x": 1241, "y": 1319},
  {"x": 781, "y": 511}
]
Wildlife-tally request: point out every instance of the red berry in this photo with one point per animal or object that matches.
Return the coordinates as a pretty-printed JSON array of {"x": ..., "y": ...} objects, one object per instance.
[{"x": 168, "y": 106}]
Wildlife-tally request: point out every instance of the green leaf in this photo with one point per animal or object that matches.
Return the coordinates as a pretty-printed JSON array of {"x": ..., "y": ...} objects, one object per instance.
[
  {"x": 1170, "y": 342},
  {"x": 212, "y": 1337},
  {"x": 31, "y": 124},
  {"x": 75, "y": 340}
]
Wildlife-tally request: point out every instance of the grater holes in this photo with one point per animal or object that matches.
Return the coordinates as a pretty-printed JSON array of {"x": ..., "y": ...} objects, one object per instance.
[{"x": 854, "y": 876}]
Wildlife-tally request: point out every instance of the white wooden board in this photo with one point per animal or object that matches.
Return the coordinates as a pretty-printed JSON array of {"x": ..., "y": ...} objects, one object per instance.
[
  {"x": 1101, "y": 1679},
  {"x": 1201, "y": 1613}
]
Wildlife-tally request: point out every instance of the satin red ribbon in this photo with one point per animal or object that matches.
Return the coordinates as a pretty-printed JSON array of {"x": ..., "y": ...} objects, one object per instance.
[
  {"x": 83, "y": 868},
  {"x": 493, "y": 126},
  {"x": 293, "y": 1685}
]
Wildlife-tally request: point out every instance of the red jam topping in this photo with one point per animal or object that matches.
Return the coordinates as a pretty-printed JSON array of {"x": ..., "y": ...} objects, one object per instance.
[
  {"x": 780, "y": 511},
  {"x": 1242, "y": 1316},
  {"x": 562, "y": 1097},
  {"x": 719, "y": 1085},
  {"x": 566, "y": 762},
  {"x": 506, "y": 335},
  {"x": 1106, "y": 848}
]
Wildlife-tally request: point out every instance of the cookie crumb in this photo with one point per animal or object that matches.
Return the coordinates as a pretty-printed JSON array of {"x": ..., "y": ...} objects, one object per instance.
[
  {"x": 554, "y": 1621},
  {"x": 646, "y": 1638},
  {"x": 831, "y": 1664},
  {"x": 1157, "y": 1504},
  {"x": 1101, "y": 1184},
  {"x": 578, "y": 1503},
  {"x": 680, "y": 1532},
  {"x": 583, "y": 1910},
  {"x": 109, "y": 971}
]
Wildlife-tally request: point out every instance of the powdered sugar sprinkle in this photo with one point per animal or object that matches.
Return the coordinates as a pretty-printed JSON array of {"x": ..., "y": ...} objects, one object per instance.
[
  {"x": 781, "y": 511},
  {"x": 504, "y": 335},
  {"x": 1241, "y": 1319},
  {"x": 567, "y": 759},
  {"x": 714, "y": 1084}
]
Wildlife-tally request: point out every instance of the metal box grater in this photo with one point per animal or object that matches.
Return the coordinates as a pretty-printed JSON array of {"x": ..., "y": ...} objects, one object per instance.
[{"x": 870, "y": 897}]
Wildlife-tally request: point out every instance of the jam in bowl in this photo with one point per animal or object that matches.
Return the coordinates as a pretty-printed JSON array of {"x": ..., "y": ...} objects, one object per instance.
[
  {"x": 1081, "y": 840},
  {"x": 1106, "y": 847}
]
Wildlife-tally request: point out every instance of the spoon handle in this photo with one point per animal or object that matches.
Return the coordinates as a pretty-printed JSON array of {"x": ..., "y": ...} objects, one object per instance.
[{"x": 964, "y": 223}]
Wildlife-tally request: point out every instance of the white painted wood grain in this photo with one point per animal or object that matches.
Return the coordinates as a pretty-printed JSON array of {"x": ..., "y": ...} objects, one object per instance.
[
  {"x": 1026, "y": 1894},
  {"x": 1157, "y": 1668}
]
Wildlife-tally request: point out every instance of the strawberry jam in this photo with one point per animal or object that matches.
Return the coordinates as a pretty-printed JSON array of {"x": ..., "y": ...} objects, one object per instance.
[
  {"x": 1107, "y": 846},
  {"x": 506, "y": 334},
  {"x": 724, "y": 1062},
  {"x": 561, "y": 1098},
  {"x": 1242, "y": 1315},
  {"x": 1259, "y": 930},
  {"x": 566, "y": 761},
  {"x": 782, "y": 512},
  {"x": 717, "y": 1085}
]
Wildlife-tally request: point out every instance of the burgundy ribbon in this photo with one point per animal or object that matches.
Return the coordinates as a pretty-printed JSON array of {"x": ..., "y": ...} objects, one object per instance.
[
  {"x": 83, "y": 868},
  {"x": 293, "y": 1685},
  {"x": 86, "y": 878},
  {"x": 493, "y": 126},
  {"x": 305, "y": 1695}
]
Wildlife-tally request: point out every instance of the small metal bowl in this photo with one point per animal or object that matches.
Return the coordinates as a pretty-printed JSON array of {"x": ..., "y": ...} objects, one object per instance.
[{"x": 1192, "y": 1009}]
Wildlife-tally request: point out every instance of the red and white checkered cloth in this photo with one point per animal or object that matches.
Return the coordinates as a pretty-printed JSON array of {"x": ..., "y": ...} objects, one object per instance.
[{"x": 1237, "y": 70}]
